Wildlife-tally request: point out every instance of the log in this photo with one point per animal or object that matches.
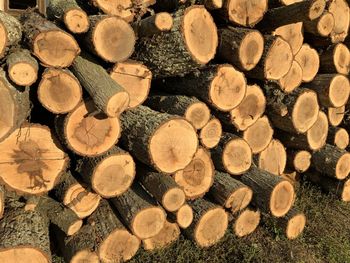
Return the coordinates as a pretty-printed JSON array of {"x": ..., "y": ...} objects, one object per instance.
[
  {"x": 32, "y": 160},
  {"x": 276, "y": 3},
  {"x": 50, "y": 44},
  {"x": 298, "y": 160},
  {"x": 298, "y": 12},
  {"x": 24, "y": 235},
  {"x": 209, "y": 223},
  {"x": 245, "y": 222},
  {"x": 209, "y": 4},
  {"x": 232, "y": 155},
  {"x": 292, "y": 176},
  {"x": 295, "y": 112},
  {"x": 198, "y": 176},
  {"x": 163, "y": 188},
  {"x": 309, "y": 60},
  {"x": 110, "y": 174},
  {"x": 230, "y": 193},
  {"x": 292, "y": 80},
  {"x": 139, "y": 213},
  {"x": 183, "y": 217},
  {"x": 103, "y": 233},
  {"x": 110, "y": 37},
  {"x": 22, "y": 68},
  {"x": 272, "y": 194},
  {"x": 274, "y": 158},
  {"x": 2, "y": 201},
  {"x": 332, "y": 162},
  {"x": 59, "y": 91},
  {"x": 74, "y": 196},
  {"x": 240, "y": 47},
  {"x": 293, "y": 34},
  {"x": 333, "y": 90},
  {"x": 336, "y": 59},
  {"x": 168, "y": 235},
  {"x": 276, "y": 59},
  {"x": 221, "y": 86},
  {"x": 109, "y": 97},
  {"x": 336, "y": 115},
  {"x": 245, "y": 13},
  {"x": 15, "y": 106},
  {"x": 210, "y": 134},
  {"x": 181, "y": 50},
  {"x": 163, "y": 141},
  {"x": 64, "y": 218},
  {"x": 86, "y": 132},
  {"x": 70, "y": 13},
  {"x": 135, "y": 78},
  {"x": 10, "y": 32},
  {"x": 152, "y": 25},
  {"x": 192, "y": 109},
  {"x": 259, "y": 135},
  {"x": 321, "y": 26},
  {"x": 338, "y": 137},
  {"x": 340, "y": 10},
  {"x": 339, "y": 188}
]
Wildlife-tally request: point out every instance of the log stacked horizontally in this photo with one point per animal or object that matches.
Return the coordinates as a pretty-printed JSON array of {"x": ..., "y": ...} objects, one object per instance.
[{"x": 128, "y": 123}]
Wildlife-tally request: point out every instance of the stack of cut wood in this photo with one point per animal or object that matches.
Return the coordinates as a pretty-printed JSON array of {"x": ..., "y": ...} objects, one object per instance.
[{"x": 129, "y": 122}]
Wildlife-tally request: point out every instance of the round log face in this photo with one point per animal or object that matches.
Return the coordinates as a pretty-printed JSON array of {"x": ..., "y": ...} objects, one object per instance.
[
  {"x": 282, "y": 198},
  {"x": 198, "y": 114},
  {"x": 340, "y": 11},
  {"x": 173, "y": 145},
  {"x": 246, "y": 223},
  {"x": 339, "y": 90},
  {"x": 74, "y": 228},
  {"x": 200, "y": 34},
  {"x": 237, "y": 156},
  {"x": 293, "y": 34},
  {"x": 211, "y": 227},
  {"x": 341, "y": 139},
  {"x": 302, "y": 161},
  {"x": 90, "y": 135},
  {"x": 184, "y": 216},
  {"x": 336, "y": 115},
  {"x": 345, "y": 196},
  {"x": 85, "y": 256},
  {"x": 17, "y": 254},
  {"x": 325, "y": 24},
  {"x": 341, "y": 59},
  {"x": 113, "y": 39},
  {"x": 32, "y": 160},
  {"x": 251, "y": 50},
  {"x": 317, "y": 134},
  {"x": 113, "y": 175},
  {"x": 316, "y": 9},
  {"x": 119, "y": 8},
  {"x": 342, "y": 169},
  {"x": 77, "y": 21},
  {"x": 173, "y": 199},
  {"x": 239, "y": 199},
  {"x": 211, "y": 133},
  {"x": 7, "y": 109},
  {"x": 119, "y": 246},
  {"x": 163, "y": 21},
  {"x": 309, "y": 61},
  {"x": 169, "y": 233},
  {"x": 292, "y": 79},
  {"x": 148, "y": 222},
  {"x": 59, "y": 91},
  {"x": 246, "y": 12},
  {"x": 23, "y": 74},
  {"x": 274, "y": 158},
  {"x": 56, "y": 48},
  {"x": 295, "y": 226},
  {"x": 228, "y": 88}
]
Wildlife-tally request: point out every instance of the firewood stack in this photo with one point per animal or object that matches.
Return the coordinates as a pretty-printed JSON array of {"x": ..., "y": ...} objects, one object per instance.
[{"x": 126, "y": 123}]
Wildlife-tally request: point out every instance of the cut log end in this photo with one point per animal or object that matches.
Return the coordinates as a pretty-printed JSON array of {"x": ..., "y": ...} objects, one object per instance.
[
  {"x": 239, "y": 199},
  {"x": 211, "y": 227},
  {"x": 197, "y": 177},
  {"x": 309, "y": 61},
  {"x": 316, "y": 9},
  {"x": 228, "y": 88},
  {"x": 341, "y": 58},
  {"x": 90, "y": 135},
  {"x": 199, "y": 18},
  {"x": 251, "y": 50},
  {"x": 3, "y": 39},
  {"x": 174, "y": 199},
  {"x": 173, "y": 145},
  {"x": 305, "y": 111},
  {"x": 163, "y": 21},
  {"x": 211, "y": 133},
  {"x": 339, "y": 90},
  {"x": 82, "y": 202},
  {"x": 345, "y": 195},
  {"x": 274, "y": 158},
  {"x": 237, "y": 156},
  {"x": 85, "y": 256},
  {"x": 336, "y": 115},
  {"x": 148, "y": 222},
  {"x": 56, "y": 48},
  {"x": 282, "y": 198},
  {"x": 184, "y": 216},
  {"x": 295, "y": 226},
  {"x": 340, "y": 11},
  {"x": 17, "y": 254},
  {"x": 292, "y": 79},
  {"x": 76, "y": 20},
  {"x": 259, "y": 135},
  {"x": 117, "y": 8},
  {"x": 135, "y": 78},
  {"x": 246, "y": 223},
  {"x": 302, "y": 161},
  {"x": 74, "y": 228},
  {"x": 169, "y": 233},
  {"x": 279, "y": 59},
  {"x": 341, "y": 138},
  {"x": 325, "y": 24},
  {"x": 117, "y": 104},
  {"x": 119, "y": 246},
  {"x": 198, "y": 114},
  {"x": 59, "y": 91},
  {"x": 343, "y": 166},
  {"x": 293, "y": 34},
  {"x": 23, "y": 73},
  {"x": 246, "y": 12},
  {"x": 317, "y": 134},
  {"x": 113, "y": 175}
]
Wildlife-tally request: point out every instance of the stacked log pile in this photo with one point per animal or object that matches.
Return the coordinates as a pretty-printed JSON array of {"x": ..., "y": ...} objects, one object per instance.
[{"x": 127, "y": 123}]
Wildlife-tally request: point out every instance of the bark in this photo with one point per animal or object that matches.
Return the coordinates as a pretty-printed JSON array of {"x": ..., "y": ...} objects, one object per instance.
[
  {"x": 150, "y": 26},
  {"x": 330, "y": 63},
  {"x": 2, "y": 201},
  {"x": 313, "y": 26},
  {"x": 14, "y": 32}
]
